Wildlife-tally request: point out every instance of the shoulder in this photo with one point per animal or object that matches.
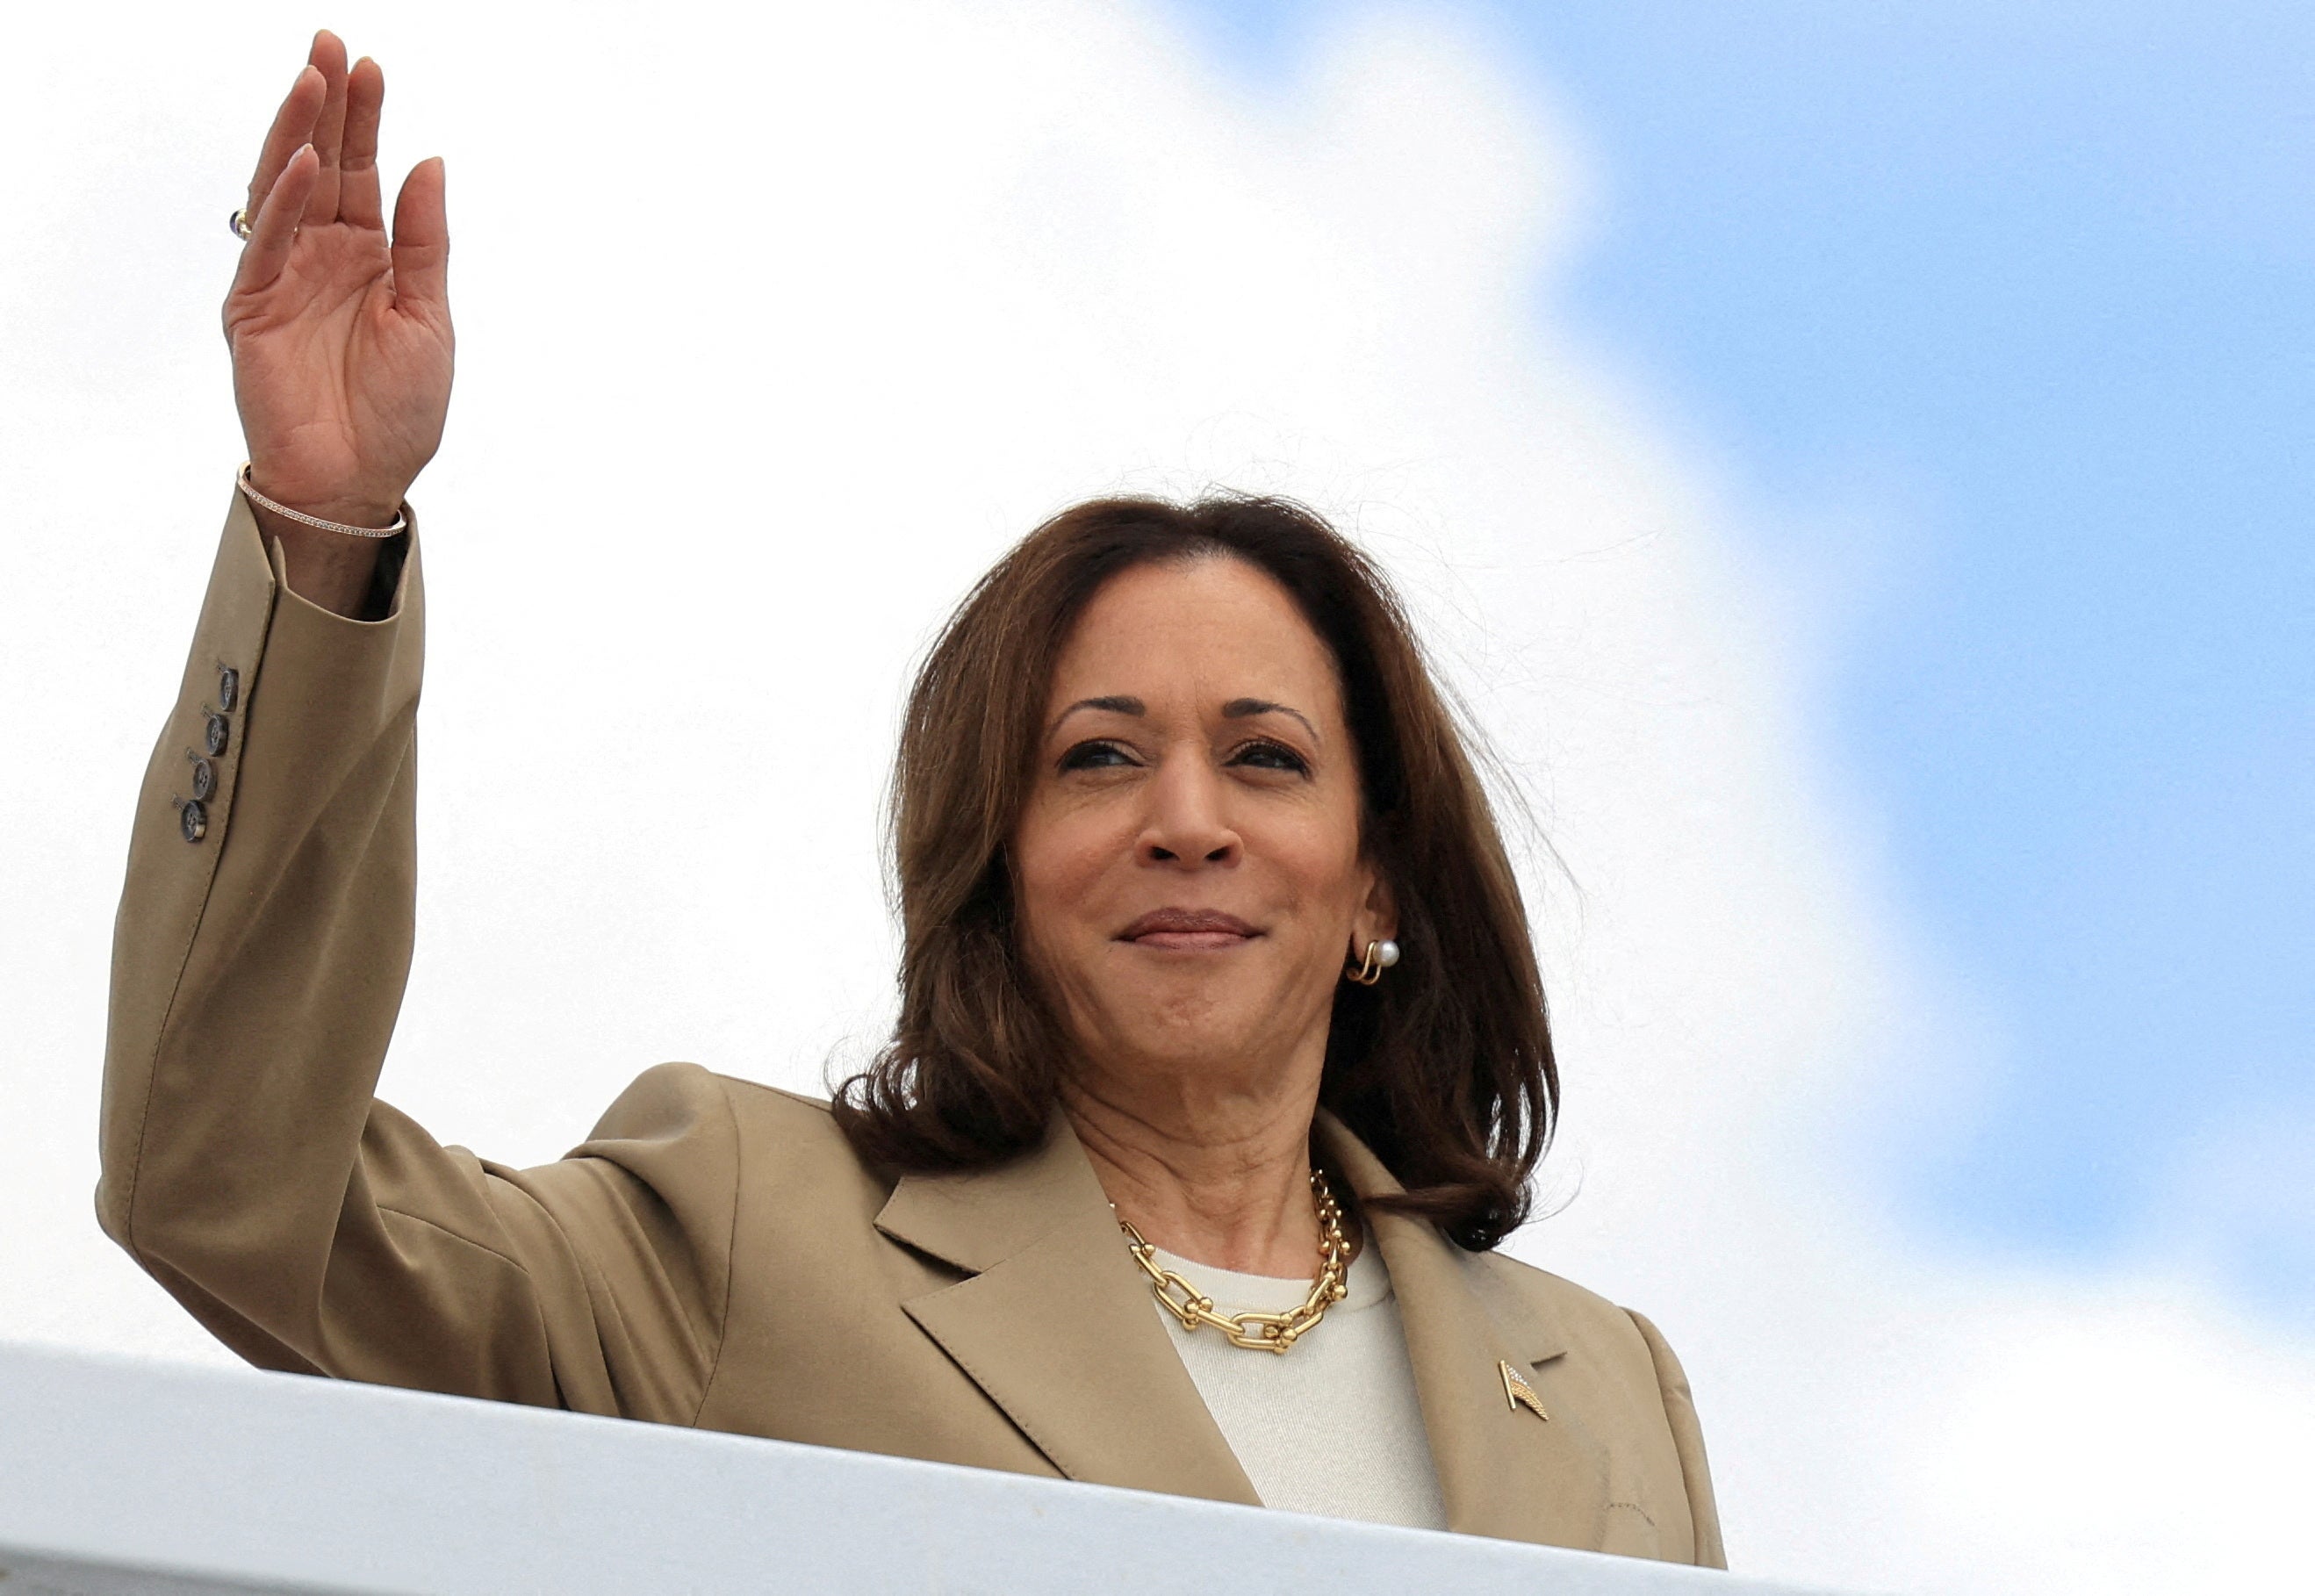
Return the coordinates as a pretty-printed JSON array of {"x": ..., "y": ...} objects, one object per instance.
[
  {"x": 766, "y": 1136},
  {"x": 1539, "y": 1290},
  {"x": 674, "y": 1099},
  {"x": 1621, "y": 1375},
  {"x": 1554, "y": 1315}
]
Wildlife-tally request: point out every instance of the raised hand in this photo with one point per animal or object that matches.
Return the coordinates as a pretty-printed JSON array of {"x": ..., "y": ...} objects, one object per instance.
[{"x": 341, "y": 337}]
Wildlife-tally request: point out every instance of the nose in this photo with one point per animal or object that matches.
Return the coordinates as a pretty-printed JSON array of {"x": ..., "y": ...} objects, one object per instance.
[{"x": 1187, "y": 824}]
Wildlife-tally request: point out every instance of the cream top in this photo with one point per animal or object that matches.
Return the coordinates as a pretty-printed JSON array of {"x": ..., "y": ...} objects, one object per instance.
[{"x": 1332, "y": 1427}]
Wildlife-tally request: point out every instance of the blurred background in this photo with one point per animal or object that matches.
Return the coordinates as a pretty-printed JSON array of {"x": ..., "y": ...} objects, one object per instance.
[{"x": 1851, "y": 460}]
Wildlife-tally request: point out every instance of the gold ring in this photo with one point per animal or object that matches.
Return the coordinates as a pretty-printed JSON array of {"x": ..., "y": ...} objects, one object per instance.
[{"x": 239, "y": 222}]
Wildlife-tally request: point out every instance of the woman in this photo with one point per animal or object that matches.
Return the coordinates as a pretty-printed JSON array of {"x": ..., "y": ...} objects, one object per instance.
[{"x": 1177, "y": 1173}]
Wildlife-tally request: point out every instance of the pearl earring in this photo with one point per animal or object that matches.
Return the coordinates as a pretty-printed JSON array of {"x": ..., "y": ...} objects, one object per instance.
[{"x": 1379, "y": 956}]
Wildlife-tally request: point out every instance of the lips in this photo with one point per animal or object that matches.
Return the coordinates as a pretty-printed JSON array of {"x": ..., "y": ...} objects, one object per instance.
[{"x": 1188, "y": 930}]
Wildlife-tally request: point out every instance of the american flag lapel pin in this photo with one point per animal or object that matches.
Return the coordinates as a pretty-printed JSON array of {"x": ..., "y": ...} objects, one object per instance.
[{"x": 1519, "y": 1394}]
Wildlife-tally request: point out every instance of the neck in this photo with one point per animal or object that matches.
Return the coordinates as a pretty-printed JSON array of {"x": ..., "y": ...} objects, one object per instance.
[{"x": 1219, "y": 1178}]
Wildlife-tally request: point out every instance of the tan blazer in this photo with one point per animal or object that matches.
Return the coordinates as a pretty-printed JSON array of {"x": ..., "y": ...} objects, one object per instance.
[{"x": 714, "y": 1256}]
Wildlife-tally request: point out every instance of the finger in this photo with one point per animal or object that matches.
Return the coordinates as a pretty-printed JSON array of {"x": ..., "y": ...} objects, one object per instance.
[
  {"x": 359, "y": 200},
  {"x": 276, "y": 227},
  {"x": 329, "y": 58},
  {"x": 293, "y": 125},
  {"x": 421, "y": 241}
]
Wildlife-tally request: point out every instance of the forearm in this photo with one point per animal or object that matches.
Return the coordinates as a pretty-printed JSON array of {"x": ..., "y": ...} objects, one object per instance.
[
  {"x": 262, "y": 940},
  {"x": 259, "y": 963}
]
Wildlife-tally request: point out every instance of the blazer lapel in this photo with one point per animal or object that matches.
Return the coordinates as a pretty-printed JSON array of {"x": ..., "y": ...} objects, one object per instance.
[
  {"x": 1055, "y": 1325},
  {"x": 1503, "y": 1471}
]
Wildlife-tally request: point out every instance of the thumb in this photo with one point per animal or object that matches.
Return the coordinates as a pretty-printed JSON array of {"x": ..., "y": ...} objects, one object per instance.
[{"x": 422, "y": 240}]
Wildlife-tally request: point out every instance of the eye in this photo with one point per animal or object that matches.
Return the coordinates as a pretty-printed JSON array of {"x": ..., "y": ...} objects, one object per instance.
[
  {"x": 1097, "y": 755},
  {"x": 1265, "y": 755}
]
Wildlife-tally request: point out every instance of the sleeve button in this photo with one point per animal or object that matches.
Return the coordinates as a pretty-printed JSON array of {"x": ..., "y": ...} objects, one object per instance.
[
  {"x": 204, "y": 780},
  {"x": 228, "y": 688},
  {"x": 215, "y": 734},
  {"x": 193, "y": 820}
]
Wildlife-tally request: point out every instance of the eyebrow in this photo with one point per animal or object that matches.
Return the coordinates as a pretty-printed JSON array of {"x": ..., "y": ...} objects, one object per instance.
[
  {"x": 1117, "y": 703},
  {"x": 1237, "y": 709}
]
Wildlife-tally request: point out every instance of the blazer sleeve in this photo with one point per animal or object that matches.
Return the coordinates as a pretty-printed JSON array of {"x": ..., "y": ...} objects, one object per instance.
[
  {"x": 1687, "y": 1438},
  {"x": 259, "y": 954}
]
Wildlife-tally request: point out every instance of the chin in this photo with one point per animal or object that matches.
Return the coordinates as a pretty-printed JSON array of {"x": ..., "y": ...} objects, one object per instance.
[{"x": 1193, "y": 1030}]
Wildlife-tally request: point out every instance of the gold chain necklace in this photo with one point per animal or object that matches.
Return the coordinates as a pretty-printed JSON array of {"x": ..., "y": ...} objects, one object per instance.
[{"x": 1257, "y": 1332}]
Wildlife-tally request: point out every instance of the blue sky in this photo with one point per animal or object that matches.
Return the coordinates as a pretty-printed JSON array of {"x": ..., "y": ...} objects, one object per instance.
[{"x": 1998, "y": 317}]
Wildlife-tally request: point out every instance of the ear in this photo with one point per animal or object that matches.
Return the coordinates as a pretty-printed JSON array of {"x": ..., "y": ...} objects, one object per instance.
[{"x": 1377, "y": 919}]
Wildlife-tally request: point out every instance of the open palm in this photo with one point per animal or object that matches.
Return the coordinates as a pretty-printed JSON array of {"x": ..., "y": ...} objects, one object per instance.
[{"x": 340, "y": 336}]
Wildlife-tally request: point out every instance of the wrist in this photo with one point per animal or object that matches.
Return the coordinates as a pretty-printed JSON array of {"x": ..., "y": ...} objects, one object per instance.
[
  {"x": 325, "y": 568},
  {"x": 353, "y": 510},
  {"x": 330, "y": 560}
]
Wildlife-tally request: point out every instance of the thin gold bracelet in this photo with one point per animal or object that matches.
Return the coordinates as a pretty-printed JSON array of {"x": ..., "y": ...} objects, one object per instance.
[{"x": 400, "y": 521}]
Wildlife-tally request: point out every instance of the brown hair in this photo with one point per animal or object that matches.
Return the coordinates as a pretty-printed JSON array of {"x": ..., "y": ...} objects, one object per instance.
[{"x": 1444, "y": 1068}]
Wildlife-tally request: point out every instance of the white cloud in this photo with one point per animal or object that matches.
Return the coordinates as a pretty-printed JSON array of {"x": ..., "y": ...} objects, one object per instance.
[{"x": 774, "y": 333}]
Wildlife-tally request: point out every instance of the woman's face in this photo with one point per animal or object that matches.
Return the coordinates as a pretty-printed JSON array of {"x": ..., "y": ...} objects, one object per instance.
[{"x": 1188, "y": 864}]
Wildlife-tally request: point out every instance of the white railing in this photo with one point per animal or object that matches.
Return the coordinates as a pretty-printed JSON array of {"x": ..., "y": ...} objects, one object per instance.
[{"x": 120, "y": 1478}]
